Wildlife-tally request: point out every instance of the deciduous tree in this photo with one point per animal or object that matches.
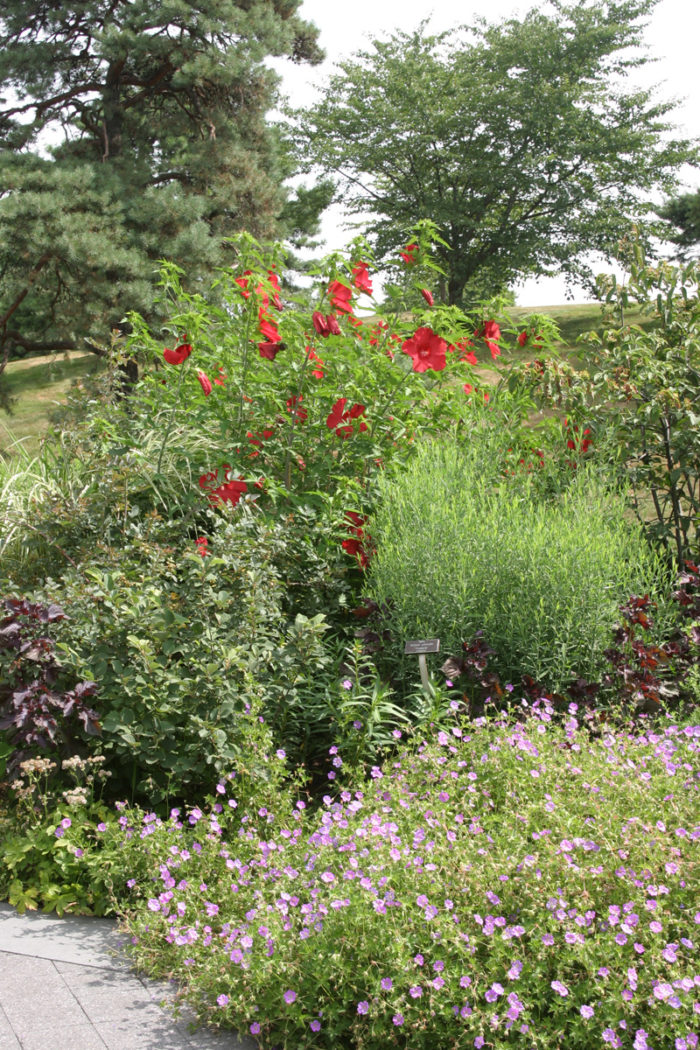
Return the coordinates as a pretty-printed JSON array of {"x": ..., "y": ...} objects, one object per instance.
[{"x": 521, "y": 140}]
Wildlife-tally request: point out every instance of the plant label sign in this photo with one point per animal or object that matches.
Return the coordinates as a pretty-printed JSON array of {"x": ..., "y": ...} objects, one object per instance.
[
  {"x": 420, "y": 647},
  {"x": 423, "y": 645}
]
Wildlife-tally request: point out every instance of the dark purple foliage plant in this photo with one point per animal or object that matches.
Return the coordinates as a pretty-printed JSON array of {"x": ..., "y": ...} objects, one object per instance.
[{"x": 37, "y": 713}]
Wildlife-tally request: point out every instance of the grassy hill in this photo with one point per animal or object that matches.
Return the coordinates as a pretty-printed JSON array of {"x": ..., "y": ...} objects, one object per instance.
[{"x": 36, "y": 386}]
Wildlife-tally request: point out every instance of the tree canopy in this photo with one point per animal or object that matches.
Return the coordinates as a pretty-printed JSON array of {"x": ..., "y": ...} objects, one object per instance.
[
  {"x": 131, "y": 131},
  {"x": 521, "y": 140}
]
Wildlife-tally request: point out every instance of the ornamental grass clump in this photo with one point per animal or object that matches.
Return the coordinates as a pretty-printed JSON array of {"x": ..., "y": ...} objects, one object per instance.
[
  {"x": 461, "y": 548},
  {"x": 509, "y": 882}
]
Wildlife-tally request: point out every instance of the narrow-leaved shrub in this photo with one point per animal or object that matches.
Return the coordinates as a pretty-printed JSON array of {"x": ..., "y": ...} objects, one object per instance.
[{"x": 461, "y": 548}]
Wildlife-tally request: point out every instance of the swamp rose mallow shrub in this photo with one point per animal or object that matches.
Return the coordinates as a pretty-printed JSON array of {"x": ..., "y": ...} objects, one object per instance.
[
  {"x": 515, "y": 882},
  {"x": 268, "y": 354}
]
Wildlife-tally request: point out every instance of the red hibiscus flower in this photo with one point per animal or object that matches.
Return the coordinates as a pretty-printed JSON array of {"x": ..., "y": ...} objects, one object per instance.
[
  {"x": 426, "y": 349},
  {"x": 242, "y": 283},
  {"x": 491, "y": 330},
  {"x": 316, "y": 372},
  {"x": 229, "y": 491},
  {"x": 336, "y": 413},
  {"x": 340, "y": 420},
  {"x": 465, "y": 354},
  {"x": 376, "y": 332},
  {"x": 427, "y": 296},
  {"x": 257, "y": 439},
  {"x": 178, "y": 355},
  {"x": 270, "y": 350},
  {"x": 268, "y": 328},
  {"x": 204, "y": 382},
  {"x": 409, "y": 254},
  {"x": 356, "y": 521},
  {"x": 207, "y": 480},
  {"x": 275, "y": 282},
  {"x": 295, "y": 409},
  {"x": 524, "y": 338},
  {"x": 491, "y": 333},
  {"x": 573, "y": 442},
  {"x": 355, "y": 546},
  {"x": 361, "y": 279},
  {"x": 340, "y": 297}
]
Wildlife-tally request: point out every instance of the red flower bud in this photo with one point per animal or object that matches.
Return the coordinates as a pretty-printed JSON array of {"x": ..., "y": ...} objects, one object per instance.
[
  {"x": 204, "y": 382},
  {"x": 320, "y": 323},
  {"x": 409, "y": 253}
]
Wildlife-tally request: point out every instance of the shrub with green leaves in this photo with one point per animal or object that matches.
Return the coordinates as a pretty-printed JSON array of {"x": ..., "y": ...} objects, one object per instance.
[
  {"x": 518, "y": 881},
  {"x": 461, "y": 548},
  {"x": 640, "y": 392},
  {"x": 184, "y": 639}
]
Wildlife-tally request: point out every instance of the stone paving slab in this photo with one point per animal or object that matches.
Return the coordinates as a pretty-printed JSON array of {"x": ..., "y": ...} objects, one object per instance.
[
  {"x": 73, "y": 938},
  {"x": 8, "y": 1039},
  {"x": 65, "y": 984}
]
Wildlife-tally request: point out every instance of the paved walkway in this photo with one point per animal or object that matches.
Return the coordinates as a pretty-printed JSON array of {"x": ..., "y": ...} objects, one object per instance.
[{"x": 64, "y": 985}]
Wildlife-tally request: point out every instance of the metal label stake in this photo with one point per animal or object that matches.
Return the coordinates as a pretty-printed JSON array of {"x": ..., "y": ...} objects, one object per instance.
[{"x": 421, "y": 646}]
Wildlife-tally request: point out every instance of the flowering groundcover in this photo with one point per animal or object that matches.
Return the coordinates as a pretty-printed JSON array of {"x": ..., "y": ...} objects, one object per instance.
[{"x": 513, "y": 881}]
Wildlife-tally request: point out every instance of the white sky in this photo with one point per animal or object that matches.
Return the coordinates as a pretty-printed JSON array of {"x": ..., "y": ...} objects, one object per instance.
[{"x": 672, "y": 39}]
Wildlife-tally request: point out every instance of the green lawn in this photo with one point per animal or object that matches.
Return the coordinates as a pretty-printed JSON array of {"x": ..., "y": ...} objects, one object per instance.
[
  {"x": 36, "y": 386},
  {"x": 574, "y": 320}
]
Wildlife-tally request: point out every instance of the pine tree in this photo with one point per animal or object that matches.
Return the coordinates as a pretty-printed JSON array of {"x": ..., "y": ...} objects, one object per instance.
[
  {"x": 131, "y": 131},
  {"x": 683, "y": 215}
]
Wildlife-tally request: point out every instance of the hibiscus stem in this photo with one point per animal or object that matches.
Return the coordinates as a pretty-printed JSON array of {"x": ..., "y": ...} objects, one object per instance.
[
  {"x": 170, "y": 421},
  {"x": 392, "y": 393},
  {"x": 292, "y": 423},
  {"x": 246, "y": 348}
]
